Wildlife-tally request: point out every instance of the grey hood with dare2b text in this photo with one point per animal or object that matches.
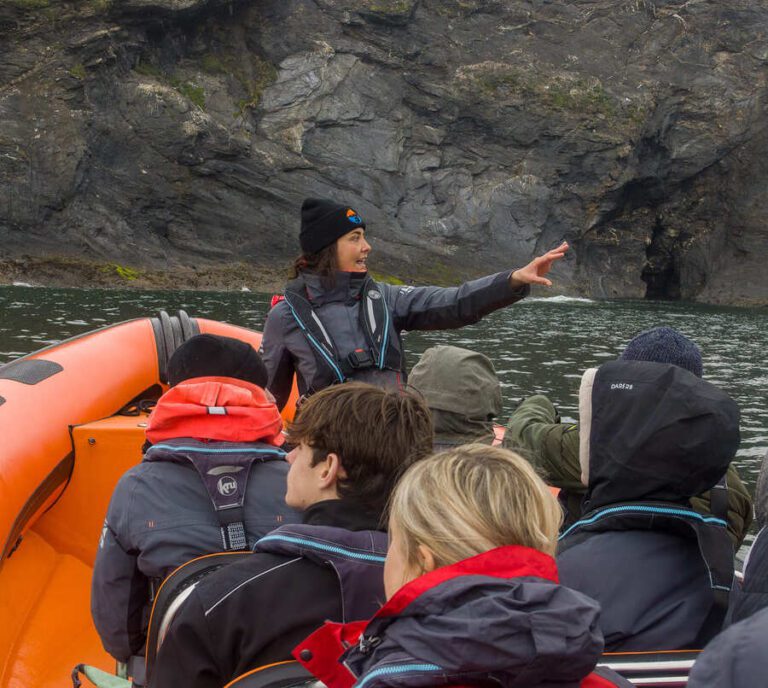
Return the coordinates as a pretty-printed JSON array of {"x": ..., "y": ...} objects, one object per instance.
[{"x": 653, "y": 435}]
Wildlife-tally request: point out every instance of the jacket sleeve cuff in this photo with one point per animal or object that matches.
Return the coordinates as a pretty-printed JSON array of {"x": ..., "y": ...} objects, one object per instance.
[{"x": 516, "y": 293}]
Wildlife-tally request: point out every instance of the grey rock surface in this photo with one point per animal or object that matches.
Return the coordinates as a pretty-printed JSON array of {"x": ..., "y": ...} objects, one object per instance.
[{"x": 470, "y": 134}]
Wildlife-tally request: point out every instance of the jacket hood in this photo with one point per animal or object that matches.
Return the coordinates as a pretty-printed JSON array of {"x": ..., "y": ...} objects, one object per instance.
[
  {"x": 461, "y": 385},
  {"x": 501, "y": 613},
  {"x": 653, "y": 431},
  {"x": 216, "y": 408}
]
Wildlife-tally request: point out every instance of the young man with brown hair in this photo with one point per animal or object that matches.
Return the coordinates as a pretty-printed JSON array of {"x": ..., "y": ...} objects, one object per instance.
[{"x": 352, "y": 442}]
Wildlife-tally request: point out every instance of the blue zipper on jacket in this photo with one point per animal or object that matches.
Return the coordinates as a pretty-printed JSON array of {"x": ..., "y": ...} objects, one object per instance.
[
  {"x": 397, "y": 669},
  {"x": 334, "y": 549},
  {"x": 206, "y": 450},
  {"x": 316, "y": 344},
  {"x": 666, "y": 511},
  {"x": 385, "y": 338}
]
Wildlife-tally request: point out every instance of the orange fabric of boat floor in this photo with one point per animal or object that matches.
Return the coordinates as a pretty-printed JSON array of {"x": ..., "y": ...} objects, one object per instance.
[
  {"x": 45, "y": 597},
  {"x": 45, "y": 607}
]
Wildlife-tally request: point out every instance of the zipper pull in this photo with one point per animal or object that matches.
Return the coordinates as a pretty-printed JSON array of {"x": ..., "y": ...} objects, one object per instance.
[{"x": 367, "y": 644}]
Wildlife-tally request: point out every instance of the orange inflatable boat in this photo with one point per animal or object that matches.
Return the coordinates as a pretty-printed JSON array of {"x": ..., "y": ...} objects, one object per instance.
[{"x": 71, "y": 426}]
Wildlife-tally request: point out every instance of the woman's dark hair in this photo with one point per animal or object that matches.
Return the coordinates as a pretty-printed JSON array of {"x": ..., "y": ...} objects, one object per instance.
[{"x": 323, "y": 263}]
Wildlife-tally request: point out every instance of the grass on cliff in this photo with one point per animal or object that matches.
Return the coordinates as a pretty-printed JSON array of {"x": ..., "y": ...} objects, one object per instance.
[
  {"x": 29, "y": 4},
  {"x": 501, "y": 82},
  {"x": 397, "y": 7},
  {"x": 254, "y": 76},
  {"x": 191, "y": 91}
]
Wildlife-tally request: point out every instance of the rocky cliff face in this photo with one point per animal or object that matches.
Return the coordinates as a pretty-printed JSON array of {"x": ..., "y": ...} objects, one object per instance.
[{"x": 470, "y": 134}]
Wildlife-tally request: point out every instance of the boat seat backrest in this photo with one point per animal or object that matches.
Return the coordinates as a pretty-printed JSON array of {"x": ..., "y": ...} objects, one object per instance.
[
  {"x": 171, "y": 594},
  {"x": 666, "y": 669},
  {"x": 288, "y": 674}
]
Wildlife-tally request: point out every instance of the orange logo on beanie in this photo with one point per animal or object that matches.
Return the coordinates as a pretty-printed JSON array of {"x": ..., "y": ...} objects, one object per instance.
[{"x": 353, "y": 217}]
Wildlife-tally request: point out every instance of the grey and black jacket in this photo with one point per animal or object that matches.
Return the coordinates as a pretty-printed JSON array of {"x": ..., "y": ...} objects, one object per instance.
[
  {"x": 161, "y": 516},
  {"x": 287, "y": 349},
  {"x": 655, "y": 435}
]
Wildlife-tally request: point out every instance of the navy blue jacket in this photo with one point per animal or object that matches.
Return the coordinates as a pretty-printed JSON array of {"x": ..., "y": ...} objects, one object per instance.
[
  {"x": 658, "y": 435},
  {"x": 498, "y": 618},
  {"x": 255, "y": 611},
  {"x": 752, "y": 595},
  {"x": 736, "y": 658}
]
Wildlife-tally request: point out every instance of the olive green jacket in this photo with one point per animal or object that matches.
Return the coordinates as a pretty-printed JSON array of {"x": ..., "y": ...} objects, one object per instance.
[{"x": 535, "y": 430}]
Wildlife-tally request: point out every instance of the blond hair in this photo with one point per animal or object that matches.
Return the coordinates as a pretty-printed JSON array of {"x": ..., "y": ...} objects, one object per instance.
[{"x": 471, "y": 499}]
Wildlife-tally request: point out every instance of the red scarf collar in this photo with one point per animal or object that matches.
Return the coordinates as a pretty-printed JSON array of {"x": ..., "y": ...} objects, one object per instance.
[{"x": 216, "y": 408}]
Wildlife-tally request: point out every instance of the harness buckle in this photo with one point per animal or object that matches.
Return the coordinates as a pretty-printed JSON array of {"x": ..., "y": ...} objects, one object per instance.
[{"x": 361, "y": 358}]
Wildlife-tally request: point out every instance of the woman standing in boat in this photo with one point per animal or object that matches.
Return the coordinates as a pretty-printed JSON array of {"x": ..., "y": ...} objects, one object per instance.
[{"x": 335, "y": 323}]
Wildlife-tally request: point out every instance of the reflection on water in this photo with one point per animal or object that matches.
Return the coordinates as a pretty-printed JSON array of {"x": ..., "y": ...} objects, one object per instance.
[{"x": 538, "y": 345}]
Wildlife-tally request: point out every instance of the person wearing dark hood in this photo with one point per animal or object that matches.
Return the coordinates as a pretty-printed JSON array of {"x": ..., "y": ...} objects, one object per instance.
[
  {"x": 472, "y": 591},
  {"x": 553, "y": 447},
  {"x": 463, "y": 394},
  {"x": 352, "y": 443},
  {"x": 336, "y": 323},
  {"x": 751, "y": 595},
  {"x": 212, "y": 478},
  {"x": 652, "y": 436}
]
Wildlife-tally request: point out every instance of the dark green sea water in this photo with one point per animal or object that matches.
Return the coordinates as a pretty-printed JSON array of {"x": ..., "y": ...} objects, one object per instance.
[{"x": 537, "y": 345}]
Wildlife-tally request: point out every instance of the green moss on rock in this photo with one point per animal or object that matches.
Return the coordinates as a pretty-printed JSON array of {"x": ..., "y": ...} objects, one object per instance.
[
  {"x": 254, "y": 76},
  {"x": 504, "y": 83},
  {"x": 29, "y": 4}
]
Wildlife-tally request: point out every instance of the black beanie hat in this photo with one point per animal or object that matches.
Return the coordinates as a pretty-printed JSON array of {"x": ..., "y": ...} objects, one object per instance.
[
  {"x": 665, "y": 345},
  {"x": 211, "y": 355},
  {"x": 323, "y": 221}
]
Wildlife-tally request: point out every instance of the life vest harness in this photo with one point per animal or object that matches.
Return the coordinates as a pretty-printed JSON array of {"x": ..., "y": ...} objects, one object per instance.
[
  {"x": 224, "y": 468},
  {"x": 384, "y": 350},
  {"x": 356, "y": 557},
  {"x": 710, "y": 532}
]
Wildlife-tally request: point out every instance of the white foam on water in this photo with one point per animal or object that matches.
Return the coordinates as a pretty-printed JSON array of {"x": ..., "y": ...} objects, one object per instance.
[{"x": 557, "y": 299}]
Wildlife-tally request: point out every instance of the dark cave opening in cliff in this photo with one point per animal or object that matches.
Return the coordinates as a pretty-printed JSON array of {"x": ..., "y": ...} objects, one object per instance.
[{"x": 661, "y": 272}]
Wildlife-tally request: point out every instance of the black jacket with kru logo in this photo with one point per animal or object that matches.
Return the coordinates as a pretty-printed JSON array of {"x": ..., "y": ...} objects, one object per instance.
[{"x": 161, "y": 516}]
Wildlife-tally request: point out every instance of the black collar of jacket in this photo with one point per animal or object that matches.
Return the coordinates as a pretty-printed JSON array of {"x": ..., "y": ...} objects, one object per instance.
[
  {"x": 347, "y": 287},
  {"x": 340, "y": 514}
]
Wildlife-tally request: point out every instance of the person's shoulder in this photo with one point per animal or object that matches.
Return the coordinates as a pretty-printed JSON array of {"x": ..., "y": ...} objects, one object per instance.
[
  {"x": 261, "y": 576},
  {"x": 736, "y": 657},
  {"x": 280, "y": 312},
  {"x": 279, "y": 308},
  {"x": 134, "y": 477}
]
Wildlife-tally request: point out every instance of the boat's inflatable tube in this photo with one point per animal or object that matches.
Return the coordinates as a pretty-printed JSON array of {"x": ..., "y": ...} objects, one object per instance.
[
  {"x": 80, "y": 380},
  {"x": 61, "y": 452}
]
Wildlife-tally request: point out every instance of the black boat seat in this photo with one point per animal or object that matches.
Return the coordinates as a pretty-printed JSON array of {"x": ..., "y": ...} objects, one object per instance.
[
  {"x": 288, "y": 674},
  {"x": 174, "y": 590}
]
